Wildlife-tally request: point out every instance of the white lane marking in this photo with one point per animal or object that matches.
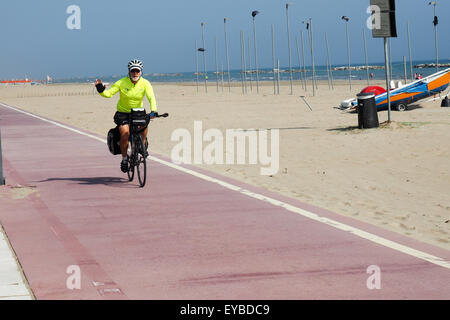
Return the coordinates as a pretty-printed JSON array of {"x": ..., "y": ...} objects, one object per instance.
[{"x": 341, "y": 226}]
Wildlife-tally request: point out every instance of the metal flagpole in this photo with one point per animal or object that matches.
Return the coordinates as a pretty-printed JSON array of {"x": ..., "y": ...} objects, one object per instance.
[
  {"x": 242, "y": 68},
  {"x": 196, "y": 61},
  {"x": 254, "y": 13},
  {"x": 436, "y": 39},
  {"x": 250, "y": 64},
  {"x": 312, "y": 58},
  {"x": 298, "y": 59},
  {"x": 435, "y": 22},
  {"x": 314, "y": 64},
  {"x": 365, "y": 54},
  {"x": 226, "y": 48},
  {"x": 278, "y": 75},
  {"x": 329, "y": 61},
  {"x": 217, "y": 67},
  {"x": 348, "y": 51},
  {"x": 386, "y": 59},
  {"x": 289, "y": 45},
  {"x": 404, "y": 69},
  {"x": 304, "y": 62},
  {"x": 410, "y": 55},
  {"x": 204, "y": 56},
  {"x": 243, "y": 60},
  {"x": 390, "y": 59},
  {"x": 273, "y": 60},
  {"x": 221, "y": 61}
]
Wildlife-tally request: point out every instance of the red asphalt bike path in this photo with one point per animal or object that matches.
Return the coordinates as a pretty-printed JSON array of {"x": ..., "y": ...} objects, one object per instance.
[{"x": 181, "y": 237}]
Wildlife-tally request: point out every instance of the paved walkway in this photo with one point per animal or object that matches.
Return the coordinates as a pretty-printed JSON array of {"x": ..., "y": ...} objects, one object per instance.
[
  {"x": 12, "y": 284},
  {"x": 82, "y": 231}
]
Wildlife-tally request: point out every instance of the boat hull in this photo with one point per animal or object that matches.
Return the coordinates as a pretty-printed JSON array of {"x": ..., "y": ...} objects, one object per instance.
[{"x": 415, "y": 91}]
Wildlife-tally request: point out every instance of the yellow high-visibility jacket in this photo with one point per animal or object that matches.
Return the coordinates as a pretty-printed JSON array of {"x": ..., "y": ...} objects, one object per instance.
[{"x": 131, "y": 95}]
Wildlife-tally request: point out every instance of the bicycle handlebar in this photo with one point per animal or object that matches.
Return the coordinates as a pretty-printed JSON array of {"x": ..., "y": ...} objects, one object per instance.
[{"x": 164, "y": 115}]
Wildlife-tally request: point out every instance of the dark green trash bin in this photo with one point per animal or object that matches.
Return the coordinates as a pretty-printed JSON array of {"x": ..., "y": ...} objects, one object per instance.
[
  {"x": 367, "y": 111},
  {"x": 445, "y": 102}
]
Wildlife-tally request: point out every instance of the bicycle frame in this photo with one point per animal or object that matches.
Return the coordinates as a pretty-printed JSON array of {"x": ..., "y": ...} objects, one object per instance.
[{"x": 137, "y": 156}]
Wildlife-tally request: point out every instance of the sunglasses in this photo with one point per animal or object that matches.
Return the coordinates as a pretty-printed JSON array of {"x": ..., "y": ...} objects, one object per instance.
[{"x": 135, "y": 71}]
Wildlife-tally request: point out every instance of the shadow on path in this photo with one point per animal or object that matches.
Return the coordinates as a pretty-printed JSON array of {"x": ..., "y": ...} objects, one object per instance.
[
  {"x": 107, "y": 181},
  {"x": 351, "y": 128},
  {"x": 261, "y": 129}
]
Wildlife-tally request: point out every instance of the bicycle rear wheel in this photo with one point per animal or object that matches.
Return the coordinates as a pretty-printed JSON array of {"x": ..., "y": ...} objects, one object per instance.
[{"x": 141, "y": 162}]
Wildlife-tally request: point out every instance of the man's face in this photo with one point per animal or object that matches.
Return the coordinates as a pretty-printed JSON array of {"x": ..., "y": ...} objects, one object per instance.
[{"x": 135, "y": 74}]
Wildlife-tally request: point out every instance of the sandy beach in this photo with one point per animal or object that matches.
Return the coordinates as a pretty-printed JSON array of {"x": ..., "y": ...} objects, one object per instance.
[{"x": 396, "y": 176}]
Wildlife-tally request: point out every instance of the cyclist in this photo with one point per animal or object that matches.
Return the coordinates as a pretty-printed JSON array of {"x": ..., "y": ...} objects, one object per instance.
[{"x": 132, "y": 90}]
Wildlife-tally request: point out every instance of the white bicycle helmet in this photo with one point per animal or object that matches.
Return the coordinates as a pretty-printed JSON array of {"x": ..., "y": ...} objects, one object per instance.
[{"x": 135, "y": 64}]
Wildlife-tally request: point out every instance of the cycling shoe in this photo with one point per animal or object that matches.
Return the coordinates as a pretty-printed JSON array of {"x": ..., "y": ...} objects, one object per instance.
[{"x": 124, "y": 166}]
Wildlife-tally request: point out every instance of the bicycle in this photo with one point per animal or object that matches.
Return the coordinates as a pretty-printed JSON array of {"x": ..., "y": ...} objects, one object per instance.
[{"x": 137, "y": 151}]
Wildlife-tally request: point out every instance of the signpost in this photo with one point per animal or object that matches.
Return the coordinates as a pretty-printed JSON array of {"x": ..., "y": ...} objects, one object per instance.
[
  {"x": 384, "y": 26},
  {"x": 388, "y": 76}
]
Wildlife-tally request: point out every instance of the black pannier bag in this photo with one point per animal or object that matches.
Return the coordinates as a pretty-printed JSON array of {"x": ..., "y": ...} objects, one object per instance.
[
  {"x": 113, "y": 140},
  {"x": 139, "y": 117}
]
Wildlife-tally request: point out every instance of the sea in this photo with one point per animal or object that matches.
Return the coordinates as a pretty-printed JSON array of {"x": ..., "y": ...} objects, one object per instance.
[{"x": 266, "y": 74}]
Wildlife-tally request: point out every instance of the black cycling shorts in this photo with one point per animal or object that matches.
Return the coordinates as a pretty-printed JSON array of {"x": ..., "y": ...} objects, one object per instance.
[{"x": 121, "y": 118}]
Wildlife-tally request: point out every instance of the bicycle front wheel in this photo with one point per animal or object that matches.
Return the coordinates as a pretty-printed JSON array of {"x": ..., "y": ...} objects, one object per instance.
[
  {"x": 131, "y": 163},
  {"x": 130, "y": 171},
  {"x": 141, "y": 161}
]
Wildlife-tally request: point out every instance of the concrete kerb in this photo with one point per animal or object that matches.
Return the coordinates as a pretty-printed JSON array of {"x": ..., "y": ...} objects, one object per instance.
[{"x": 13, "y": 282}]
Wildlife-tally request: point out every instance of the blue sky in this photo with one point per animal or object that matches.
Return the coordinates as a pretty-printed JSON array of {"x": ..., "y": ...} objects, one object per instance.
[{"x": 36, "y": 41}]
